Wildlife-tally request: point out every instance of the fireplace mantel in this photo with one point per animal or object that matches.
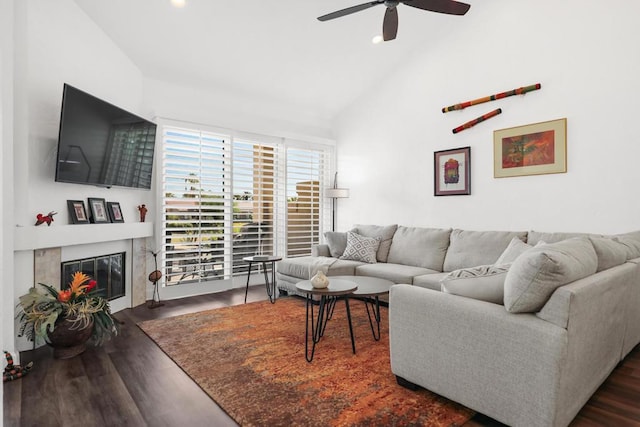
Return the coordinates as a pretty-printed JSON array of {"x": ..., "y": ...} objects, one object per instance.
[{"x": 32, "y": 237}]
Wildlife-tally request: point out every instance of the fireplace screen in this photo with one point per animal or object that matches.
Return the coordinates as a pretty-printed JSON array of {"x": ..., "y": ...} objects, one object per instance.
[{"x": 107, "y": 270}]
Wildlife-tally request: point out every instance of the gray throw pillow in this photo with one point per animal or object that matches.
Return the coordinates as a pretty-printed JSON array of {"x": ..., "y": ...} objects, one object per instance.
[
  {"x": 484, "y": 282},
  {"x": 361, "y": 248},
  {"x": 516, "y": 248},
  {"x": 337, "y": 242},
  {"x": 632, "y": 245},
  {"x": 610, "y": 253},
  {"x": 537, "y": 273},
  {"x": 385, "y": 232}
]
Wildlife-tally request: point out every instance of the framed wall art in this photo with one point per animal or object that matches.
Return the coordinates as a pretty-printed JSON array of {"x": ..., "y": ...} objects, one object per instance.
[
  {"x": 115, "y": 213},
  {"x": 452, "y": 172},
  {"x": 77, "y": 212},
  {"x": 535, "y": 149},
  {"x": 98, "y": 210}
]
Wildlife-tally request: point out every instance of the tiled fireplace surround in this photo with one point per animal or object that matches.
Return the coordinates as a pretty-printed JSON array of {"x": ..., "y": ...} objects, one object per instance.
[{"x": 56, "y": 244}]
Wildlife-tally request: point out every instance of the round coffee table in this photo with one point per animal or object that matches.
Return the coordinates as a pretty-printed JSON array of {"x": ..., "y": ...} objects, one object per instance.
[
  {"x": 369, "y": 291},
  {"x": 315, "y": 325}
]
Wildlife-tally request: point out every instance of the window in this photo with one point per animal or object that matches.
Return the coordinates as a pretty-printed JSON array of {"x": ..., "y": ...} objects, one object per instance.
[
  {"x": 225, "y": 198},
  {"x": 306, "y": 169},
  {"x": 197, "y": 209}
]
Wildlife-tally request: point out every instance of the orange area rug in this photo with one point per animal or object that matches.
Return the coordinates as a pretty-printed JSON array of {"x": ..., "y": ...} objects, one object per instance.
[{"x": 250, "y": 360}]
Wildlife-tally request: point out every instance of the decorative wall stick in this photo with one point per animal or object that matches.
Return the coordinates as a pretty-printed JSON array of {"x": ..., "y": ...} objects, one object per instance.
[
  {"x": 474, "y": 122},
  {"x": 519, "y": 91}
]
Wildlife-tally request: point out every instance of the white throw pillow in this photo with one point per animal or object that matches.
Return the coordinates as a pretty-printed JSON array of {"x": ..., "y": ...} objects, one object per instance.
[
  {"x": 361, "y": 248},
  {"x": 484, "y": 282}
]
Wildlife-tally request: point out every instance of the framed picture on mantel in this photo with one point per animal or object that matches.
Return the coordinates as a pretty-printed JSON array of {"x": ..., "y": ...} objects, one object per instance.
[
  {"x": 115, "y": 213},
  {"x": 77, "y": 212},
  {"x": 98, "y": 210}
]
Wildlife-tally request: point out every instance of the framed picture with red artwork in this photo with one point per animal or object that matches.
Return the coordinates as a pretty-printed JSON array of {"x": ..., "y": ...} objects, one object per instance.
[
  {"x": 535, "y": 149},
  {"x": 452, "y": 172}
]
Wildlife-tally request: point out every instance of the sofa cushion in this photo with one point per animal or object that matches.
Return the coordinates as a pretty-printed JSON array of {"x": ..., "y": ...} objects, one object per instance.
[
  {"x": 420, "y": 247},
  {"x": 537, "y": 273},
  {"x": 472, "y": 248},
  {"x": 610, "y": 252},
  {"x": 484, "y": 282},
  {"x": 337, "y": 242},
  {"x": 631, "y": 241},
  {"x": 429, "y": 281},
  {"x": 384, "y": 232},
  {"x": 397, "y": 273},
  {"x": 304, "y": 267},
  {"x": 534, "y": 237},
  {"x": 361, "y": 248}
]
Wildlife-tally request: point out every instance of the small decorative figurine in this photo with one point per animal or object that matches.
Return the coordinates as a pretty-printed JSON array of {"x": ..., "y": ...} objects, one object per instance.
[
  {"x": 143, "y": 212},
  {"x": 13, "y": 372},
  {"x": 48, "y": 218}
]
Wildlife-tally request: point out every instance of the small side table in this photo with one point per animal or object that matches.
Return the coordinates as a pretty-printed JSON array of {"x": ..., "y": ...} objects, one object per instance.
[
  {"x": 270, "y": 285},
  {"x": 314, "y": 328}
]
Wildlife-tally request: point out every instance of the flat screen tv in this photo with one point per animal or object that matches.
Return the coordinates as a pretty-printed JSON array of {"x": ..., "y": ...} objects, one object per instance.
[{"x": 101, "y": 144}]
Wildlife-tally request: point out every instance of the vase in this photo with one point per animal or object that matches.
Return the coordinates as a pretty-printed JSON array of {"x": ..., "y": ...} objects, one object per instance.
[
  {"x": 319, "y": 281},
  {"x": 68, "y": 342}
]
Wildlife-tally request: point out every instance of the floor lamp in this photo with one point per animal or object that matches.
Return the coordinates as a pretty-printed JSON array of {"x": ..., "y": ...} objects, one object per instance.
[{"x": 335, "y": 193}]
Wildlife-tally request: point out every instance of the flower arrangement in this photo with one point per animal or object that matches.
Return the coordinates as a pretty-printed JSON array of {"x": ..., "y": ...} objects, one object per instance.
[{"x": 39, "y": 311}]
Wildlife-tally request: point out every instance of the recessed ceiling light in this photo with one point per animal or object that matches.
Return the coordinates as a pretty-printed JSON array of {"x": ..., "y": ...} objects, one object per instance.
[
  {"x": 377, "y": 39},
  {"x": 179, "y": 3}
]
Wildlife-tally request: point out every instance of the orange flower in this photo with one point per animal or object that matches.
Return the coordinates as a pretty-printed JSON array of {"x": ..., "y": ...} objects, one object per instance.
[
  {"x": 76, "y": 286},
  {"x": 64, "y": 296}
]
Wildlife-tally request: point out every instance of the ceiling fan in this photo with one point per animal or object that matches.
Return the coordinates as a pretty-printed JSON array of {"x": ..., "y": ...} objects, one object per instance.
[{"x": 390, "y": 23}]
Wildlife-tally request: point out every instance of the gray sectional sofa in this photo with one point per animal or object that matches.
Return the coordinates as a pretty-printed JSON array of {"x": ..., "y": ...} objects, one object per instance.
[{"x": 520, "y": 326}]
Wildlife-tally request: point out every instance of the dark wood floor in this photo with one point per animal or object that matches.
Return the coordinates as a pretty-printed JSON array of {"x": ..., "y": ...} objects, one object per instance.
[{"x": 131, "y": 382}]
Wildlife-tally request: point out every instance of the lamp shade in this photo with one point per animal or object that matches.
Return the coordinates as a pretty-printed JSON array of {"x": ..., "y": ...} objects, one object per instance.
[{"x": 337, "y": 193}]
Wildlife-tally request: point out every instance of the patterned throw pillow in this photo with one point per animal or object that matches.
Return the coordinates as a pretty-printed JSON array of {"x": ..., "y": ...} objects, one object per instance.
[
  {"x": 361, "y": 248},
  {"x": 484, "y": 282}
]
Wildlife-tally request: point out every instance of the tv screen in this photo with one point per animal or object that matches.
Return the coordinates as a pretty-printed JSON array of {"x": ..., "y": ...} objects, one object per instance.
[{"x": 101, "y": 144}]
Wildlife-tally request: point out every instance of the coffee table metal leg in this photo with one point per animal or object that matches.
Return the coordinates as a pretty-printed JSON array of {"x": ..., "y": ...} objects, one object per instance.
[
  {"x": 270, "y": 291},
  {"x": 353, "y": 342},
  {"x": 317, "y": 326},
  {"x": 375, "y": 310},
  {"x": 247, "y": 288}
]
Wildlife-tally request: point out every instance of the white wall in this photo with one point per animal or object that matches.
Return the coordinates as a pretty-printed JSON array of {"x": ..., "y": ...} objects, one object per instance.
[
  {"x": 64, "y": 46},
  {"x": 243, "y": 112},
  {"x": 586, "y": 58},
  {"x": 55, "y": 43},
  {"x": 6, "y": 178}
]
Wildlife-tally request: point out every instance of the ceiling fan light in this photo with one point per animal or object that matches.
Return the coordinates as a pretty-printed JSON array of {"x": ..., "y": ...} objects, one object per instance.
[{"x": 377, "y": 39}]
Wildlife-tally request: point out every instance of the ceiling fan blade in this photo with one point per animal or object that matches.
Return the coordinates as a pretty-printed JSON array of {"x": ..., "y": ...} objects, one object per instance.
[
  {"x": 390, "y": 24},
  {"x": 349, "y": 10},
  {"x": 449, "y": 7}
]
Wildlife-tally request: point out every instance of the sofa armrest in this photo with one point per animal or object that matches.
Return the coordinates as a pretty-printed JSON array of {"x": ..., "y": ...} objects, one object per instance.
[
  {"x": 504, "y": 365},
  {"x": 320, "y": 250}
]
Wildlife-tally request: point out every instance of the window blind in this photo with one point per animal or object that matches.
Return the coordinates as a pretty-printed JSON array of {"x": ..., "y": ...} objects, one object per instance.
[
  {"x": 306, "y": 179},
  {"x": 255, "y": 195},
  {"x": 197, "y": 208}
]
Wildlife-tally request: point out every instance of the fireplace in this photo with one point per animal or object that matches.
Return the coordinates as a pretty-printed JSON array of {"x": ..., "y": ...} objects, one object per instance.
[{"x": 107, "y": 270}]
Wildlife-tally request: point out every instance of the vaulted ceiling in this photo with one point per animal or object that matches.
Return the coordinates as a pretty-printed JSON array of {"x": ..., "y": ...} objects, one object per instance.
[{"x": 273, "y": 49}]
